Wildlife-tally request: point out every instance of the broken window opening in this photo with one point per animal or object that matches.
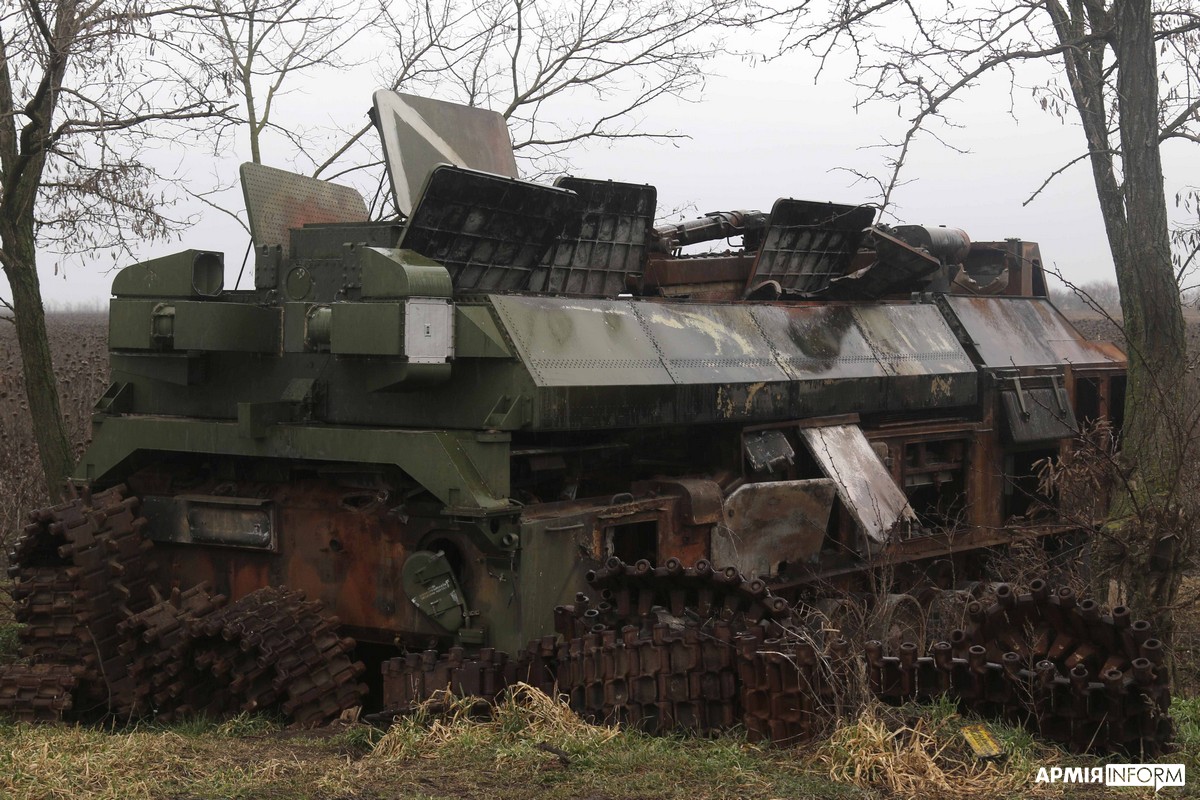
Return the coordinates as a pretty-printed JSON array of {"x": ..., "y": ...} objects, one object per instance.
[
  {"x": 633, "y": 541},
  {"x": 1087, "y": 400},
  {"x": 1022, "y": 497},
  {"x": 1116, "y": 403},
  {"x": 935, "y": 481}
]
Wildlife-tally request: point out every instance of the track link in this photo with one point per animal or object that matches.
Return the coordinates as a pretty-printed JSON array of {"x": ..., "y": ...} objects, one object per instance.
[
  {"x": 698, "y": 649},
  {"x": 642, "y": 656},
  {"x": 98, "y": 639},
  {"x": 37, "y": 692},
  {"x": 1044, "y": 659},
  {"x": 78, "y": 569}
]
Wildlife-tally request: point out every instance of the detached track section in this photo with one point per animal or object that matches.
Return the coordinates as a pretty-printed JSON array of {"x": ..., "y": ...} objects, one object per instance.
[
  {"x": 1043, "y": 659},
  {"x": 698, "y": 649},
  {"x": 98, "y": 639},
  {"x": 645, "y": 655}
]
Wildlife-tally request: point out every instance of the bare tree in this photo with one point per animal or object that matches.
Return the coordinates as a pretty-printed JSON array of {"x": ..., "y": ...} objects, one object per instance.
[
  {"x": 1127, "y": 71},
  {"x": 563, "y": 75},
  {"x": 85, "y": 88},
  {"x": 264, "y": 47}
]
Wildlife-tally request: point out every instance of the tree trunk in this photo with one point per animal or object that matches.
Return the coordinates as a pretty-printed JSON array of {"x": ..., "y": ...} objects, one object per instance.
[
  {"x": 1145, "y": 545},
  {"x": 41, "y": 387}
]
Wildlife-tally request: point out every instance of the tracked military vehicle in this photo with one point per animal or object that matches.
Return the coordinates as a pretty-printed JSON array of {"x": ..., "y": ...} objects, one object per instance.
[{"x": 441, "y": 427}]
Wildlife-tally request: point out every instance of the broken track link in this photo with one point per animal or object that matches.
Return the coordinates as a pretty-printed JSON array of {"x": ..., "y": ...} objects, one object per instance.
[
  {"x": 1027, "y": 658},
  {"x": 37, "y": 692},
  {"x": 630, "y": 593},
  {"x": 194, "y": 654},
  {"x": 100, "y": 640},
  {"x": 728, "y": 643},
  {"x": 275, "y": 648},
  {"x": 159, "y": 646},
  {"x": 702, "y": 678},
  {"x": 1044, "y": 659},
  {"x": 78, "y": 568}
]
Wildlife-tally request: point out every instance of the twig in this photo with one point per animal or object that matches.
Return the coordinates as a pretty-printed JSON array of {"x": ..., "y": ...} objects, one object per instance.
[{"x": 563, "y": 758}]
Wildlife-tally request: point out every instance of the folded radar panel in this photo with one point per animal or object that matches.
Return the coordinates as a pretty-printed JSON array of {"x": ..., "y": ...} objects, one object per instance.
[
  {"x": 603, "y": 243},
  {"x": 419, "y": 134},
  {"x": 808, "y": 244},
  {"x": 490, "y": 232},
  {"x": 278, "y": 201}
]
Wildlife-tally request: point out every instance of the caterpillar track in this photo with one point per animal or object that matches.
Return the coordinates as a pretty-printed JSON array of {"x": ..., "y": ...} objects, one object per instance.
[
  {"x": 699, "y": 649},
  {"x": 99, "y": 640},
  {"x": 1047, "y": 660},
  {"x": 1074, "y": 676}
]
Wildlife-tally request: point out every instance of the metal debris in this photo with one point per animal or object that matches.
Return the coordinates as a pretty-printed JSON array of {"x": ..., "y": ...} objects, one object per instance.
[{"x": 98, "y": 641}]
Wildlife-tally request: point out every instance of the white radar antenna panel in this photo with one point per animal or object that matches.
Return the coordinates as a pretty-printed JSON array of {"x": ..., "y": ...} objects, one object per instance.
[{"x": 419, "y": 133}]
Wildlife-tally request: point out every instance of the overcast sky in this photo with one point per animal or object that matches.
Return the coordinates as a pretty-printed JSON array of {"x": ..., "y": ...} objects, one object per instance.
[{"x": 760, "y": 132}]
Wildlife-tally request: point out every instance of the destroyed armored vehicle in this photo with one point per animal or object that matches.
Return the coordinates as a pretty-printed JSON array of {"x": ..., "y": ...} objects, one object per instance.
[{"x": 439, "y": 426}]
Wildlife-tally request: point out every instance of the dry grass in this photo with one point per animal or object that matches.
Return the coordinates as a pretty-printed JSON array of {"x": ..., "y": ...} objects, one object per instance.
[
  {"x": 923, "y": 755},
  {"x": 526, "y": 718}
]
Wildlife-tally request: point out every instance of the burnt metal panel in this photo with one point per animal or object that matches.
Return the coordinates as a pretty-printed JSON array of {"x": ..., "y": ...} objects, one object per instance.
[
  {"x": 864, "y": 484},
  {"x": 1025, "y": 332},
  {"x": 768, "y": 451},
  {"x": 807, "y": 244},
  {"x": 767, "y": 524},
  {"x": 898, "y": 267},
  {"x": 214, "y": 520},
  {"x": 278, "y": 201},
  {"x": 1039, "y": 414},
  {"x": 581, "y": 342},
  {"x": 818, "y": 341},
  {"x": 926, "y": 365},
  {"x": 911, "y": 340},
  {"x": 489, "y": 232},
  {"x": 702, "y": 344},
  {"x": 418, "y": 133},
  {"x": 601, "y": 244},
  {"x": 751, "y": 353}
]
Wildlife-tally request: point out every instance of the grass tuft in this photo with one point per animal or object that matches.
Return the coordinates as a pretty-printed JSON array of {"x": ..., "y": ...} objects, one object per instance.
[{"x": 918, "y": 752}]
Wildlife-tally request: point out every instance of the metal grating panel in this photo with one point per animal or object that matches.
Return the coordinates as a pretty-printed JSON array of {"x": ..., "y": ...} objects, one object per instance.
[
  {"x": 603, "y": 243},
  {"x": 278, "y": 201},
  {"x": 489, "y": 232},
  {"x": 807, "y": 244}
]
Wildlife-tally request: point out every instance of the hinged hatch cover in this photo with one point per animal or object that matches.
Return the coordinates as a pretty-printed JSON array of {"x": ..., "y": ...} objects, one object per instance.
[{"x": 865, "y": 486}]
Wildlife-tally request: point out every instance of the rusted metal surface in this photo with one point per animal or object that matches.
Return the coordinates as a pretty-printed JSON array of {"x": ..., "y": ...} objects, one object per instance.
[
  {"x": 767, "y": 524},
  {"x": 100, "y": 643},
  {"x": 1026, "y": 332},
  {"x": 736, "y": 663},
  {"x": 712, "y": 278},
  {"x": 37, "y": 692},
  {"x": 338, "y": 544},
  {"x": 899, "y": 266},
  {"x": 807, "y": 244},
  {"x": 1089, "y": 681},
  {"x": 1029, "y": 658},
  {"x": 77, "y": 569},
  {"x": 864, "y": 485}
]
